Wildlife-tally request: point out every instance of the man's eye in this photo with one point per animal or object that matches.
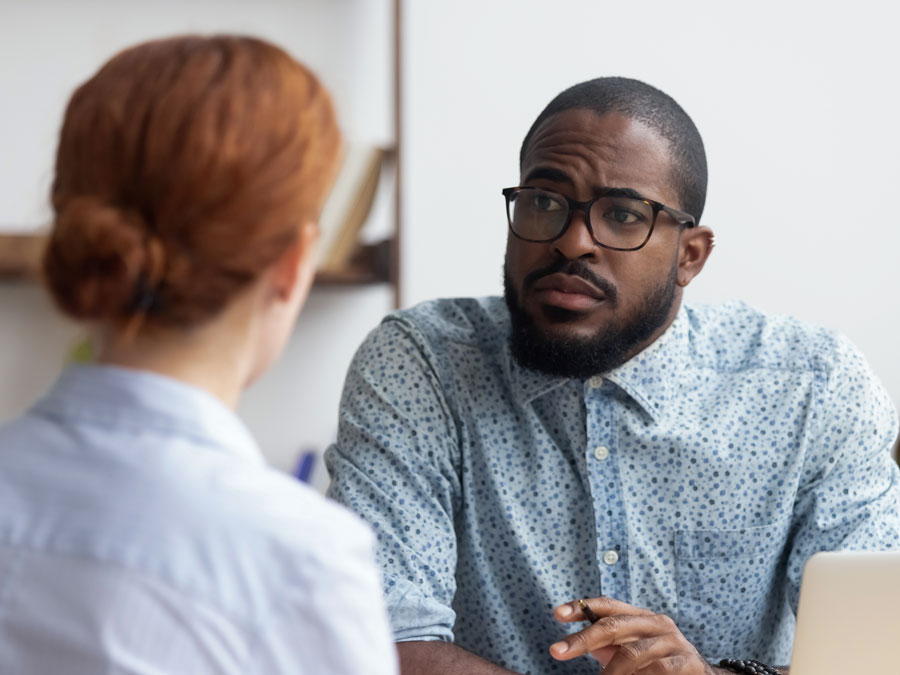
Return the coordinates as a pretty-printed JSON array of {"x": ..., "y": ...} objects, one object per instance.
[
  {"x": 545, "y": 203},
  {"x": 623, "y": 216}
]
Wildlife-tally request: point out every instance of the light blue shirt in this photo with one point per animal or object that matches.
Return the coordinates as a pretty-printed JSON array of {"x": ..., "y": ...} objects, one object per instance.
[
  {"x": 142, "y": 533},
  {"x": 694, "y": 480}
]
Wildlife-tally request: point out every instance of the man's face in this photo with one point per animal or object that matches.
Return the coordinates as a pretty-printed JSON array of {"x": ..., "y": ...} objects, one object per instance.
[{"x": 579, "y": 309}]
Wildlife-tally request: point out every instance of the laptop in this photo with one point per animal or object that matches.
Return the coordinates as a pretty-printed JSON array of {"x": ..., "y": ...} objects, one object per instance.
[{"x": 848, "y": 619}]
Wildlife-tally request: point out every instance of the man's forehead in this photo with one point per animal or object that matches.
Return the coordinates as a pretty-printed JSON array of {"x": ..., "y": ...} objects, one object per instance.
[
  {"x": 581, "y": 120},
  {"x": 611, "y": 132},
  {"x": 610, "y": 149}
]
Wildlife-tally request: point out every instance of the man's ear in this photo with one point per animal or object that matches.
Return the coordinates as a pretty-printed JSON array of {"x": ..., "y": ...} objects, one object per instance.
[
  {"x": 694, "y": 247},
  {"x": 292, "y": 264}
]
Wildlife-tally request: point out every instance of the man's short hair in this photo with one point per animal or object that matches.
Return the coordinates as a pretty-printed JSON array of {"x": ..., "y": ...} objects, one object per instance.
[{"x": 650, "y": 106}]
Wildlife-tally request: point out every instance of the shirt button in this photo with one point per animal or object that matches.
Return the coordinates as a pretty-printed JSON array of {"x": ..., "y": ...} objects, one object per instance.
[
  {"x": 610, "y": 557},
  {"x": 601, "y": 452},
  {"x": 595, "y": 382}
]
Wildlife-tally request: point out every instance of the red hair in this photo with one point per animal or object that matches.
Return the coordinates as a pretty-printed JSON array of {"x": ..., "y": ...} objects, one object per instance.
[{"x": 185, "y": 168}]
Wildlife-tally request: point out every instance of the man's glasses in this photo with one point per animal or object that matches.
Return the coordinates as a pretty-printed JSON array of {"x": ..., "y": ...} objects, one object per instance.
[{"x": 618, "y": 219}]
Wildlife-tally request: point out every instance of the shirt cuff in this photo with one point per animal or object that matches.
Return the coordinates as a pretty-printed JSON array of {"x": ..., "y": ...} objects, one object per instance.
[{"x": 415, "y": 617}]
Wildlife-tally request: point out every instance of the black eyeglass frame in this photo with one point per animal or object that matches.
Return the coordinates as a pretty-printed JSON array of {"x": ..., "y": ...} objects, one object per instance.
[{"x": 680, "y": 217}]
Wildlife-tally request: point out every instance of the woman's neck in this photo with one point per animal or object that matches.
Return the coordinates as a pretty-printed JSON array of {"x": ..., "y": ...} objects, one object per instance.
[{"x": 215, "y": 357}]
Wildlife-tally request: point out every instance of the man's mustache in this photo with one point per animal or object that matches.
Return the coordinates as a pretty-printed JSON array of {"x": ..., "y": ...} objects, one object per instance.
[{"x": 576, "y": 269}]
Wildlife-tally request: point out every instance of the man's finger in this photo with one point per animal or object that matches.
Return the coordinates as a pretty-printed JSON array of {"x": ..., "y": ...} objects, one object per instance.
[
  {"x": 611, "y": 630},
  {"x": 571, "y": 611},
  {"x": 641, "y": 655}
]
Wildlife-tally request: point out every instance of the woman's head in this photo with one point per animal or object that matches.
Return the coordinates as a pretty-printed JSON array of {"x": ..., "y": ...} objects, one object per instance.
[{"x": 186, "y": 169}]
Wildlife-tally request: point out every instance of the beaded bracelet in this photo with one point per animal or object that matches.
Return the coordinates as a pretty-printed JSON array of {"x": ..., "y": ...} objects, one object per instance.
[{"x": 748, "y": 667}]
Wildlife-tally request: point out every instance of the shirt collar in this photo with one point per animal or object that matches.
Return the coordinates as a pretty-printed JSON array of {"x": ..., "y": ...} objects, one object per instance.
[
  {"x": 137, "y": 399},
  {"x": 528, "y": 384},
  {"x": 650, "y": 377}
]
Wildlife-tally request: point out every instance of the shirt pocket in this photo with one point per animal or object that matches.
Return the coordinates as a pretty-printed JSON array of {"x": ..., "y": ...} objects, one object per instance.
[{"x": 728, "y": 601}]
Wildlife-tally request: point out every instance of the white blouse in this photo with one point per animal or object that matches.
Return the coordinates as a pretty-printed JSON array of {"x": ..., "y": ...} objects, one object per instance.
[{"x": 141, "y": 532}]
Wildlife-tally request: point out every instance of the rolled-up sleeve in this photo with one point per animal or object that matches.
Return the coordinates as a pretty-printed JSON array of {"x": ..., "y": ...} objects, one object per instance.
[
  {"x": 396, "y": 463},
  {"x": 850, "y": 495}
]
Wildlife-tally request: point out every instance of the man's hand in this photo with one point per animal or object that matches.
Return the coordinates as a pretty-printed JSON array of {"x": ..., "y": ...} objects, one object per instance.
[{"x": 628, "y": 640}]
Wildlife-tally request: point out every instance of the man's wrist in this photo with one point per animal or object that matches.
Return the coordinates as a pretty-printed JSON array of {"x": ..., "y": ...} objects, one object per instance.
[{"x": 747, "y": 667}]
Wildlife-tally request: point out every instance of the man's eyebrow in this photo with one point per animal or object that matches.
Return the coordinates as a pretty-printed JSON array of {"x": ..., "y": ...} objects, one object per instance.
[
  {"x": 620, "y": 192},
  {"x": 559, "y": 176},
  {"x": 546, "y": 173}
]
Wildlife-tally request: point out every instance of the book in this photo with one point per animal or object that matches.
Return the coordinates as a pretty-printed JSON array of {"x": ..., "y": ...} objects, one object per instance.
[{"x": 348, "y": 205}]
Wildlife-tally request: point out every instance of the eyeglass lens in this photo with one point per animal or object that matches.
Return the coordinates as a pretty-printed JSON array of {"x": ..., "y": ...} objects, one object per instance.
[{"x": 541, "y": 215}]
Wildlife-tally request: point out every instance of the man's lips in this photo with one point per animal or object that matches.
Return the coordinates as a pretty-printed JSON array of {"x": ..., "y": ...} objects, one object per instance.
[{"x": 567, "y": 291}]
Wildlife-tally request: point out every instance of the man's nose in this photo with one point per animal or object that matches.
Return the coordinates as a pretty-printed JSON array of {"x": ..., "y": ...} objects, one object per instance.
[{"x": 577, "y": 241}]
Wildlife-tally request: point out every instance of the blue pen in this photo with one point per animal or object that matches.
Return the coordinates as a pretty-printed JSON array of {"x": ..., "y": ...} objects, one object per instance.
[{"x": 305, "y": 466}]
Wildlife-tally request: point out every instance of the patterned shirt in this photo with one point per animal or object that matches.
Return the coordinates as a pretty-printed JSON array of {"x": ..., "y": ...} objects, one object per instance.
[
  {"x": 141, "y": 532},
  {"x": 694, "y": 480}
]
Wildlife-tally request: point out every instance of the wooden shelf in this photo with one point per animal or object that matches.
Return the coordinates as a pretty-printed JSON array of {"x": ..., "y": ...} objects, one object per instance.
[
  {"x": 20, "y": 259},
  {"x": 20, "y": 256},
  {"x": 369, "y": 264},
  {"x": 348, "y": 277}
]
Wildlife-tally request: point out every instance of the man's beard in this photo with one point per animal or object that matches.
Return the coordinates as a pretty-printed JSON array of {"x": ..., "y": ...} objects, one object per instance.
[{"x": 582, "y": 357}]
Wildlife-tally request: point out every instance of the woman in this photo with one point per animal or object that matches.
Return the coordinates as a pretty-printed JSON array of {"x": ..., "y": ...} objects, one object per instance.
[{"x": 140, "y": 530}]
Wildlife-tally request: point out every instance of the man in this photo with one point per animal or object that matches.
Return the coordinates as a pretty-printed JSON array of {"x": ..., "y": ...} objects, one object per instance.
[{"x": 592, "y": 449}]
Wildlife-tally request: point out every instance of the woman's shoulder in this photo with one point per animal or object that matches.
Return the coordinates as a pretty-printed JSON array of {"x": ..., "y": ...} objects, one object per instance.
[
  {"x": 252, "y": 538},
  {"x": 287, "y": 510}
]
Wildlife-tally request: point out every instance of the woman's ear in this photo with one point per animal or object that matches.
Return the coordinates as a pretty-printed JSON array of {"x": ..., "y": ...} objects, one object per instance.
[
  {"x": 296, "y": 265},
  {"x": 694, "y": 247}
]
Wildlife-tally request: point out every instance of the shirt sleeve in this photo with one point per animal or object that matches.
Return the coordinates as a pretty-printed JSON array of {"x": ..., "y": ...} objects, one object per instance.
[
  {"x": 849, "y": 497},
  {"x": 396, "y": 463}
]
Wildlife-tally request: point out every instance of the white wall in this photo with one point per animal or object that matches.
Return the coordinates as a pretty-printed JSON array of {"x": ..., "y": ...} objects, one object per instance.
[
  {"x": 47, "y": 47},
  {"x": 796, "y": 101}
]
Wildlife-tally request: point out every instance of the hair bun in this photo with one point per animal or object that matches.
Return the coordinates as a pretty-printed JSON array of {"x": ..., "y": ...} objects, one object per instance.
[{"x": 94, "y": 259}]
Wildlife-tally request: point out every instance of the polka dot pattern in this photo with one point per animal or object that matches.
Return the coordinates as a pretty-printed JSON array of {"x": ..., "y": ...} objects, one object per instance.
[{"x": 694, "y": 480}]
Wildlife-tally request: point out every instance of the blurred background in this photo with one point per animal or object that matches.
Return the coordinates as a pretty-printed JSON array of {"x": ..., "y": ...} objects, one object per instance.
[{"x": 796, "y": 101}]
